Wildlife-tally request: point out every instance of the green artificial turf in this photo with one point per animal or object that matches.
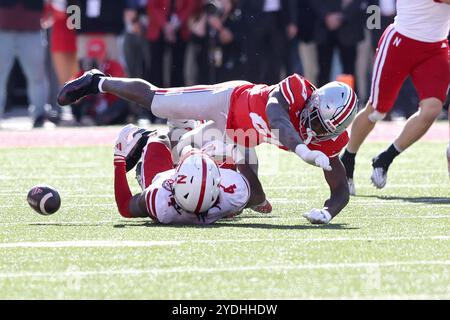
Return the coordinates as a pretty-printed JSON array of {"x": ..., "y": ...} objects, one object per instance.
[{"x": 390, "y": 243}]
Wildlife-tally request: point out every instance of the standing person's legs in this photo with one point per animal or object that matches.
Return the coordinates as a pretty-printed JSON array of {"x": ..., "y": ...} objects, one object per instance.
[
  {"x": 156, "y": 62},
  {"x": 431, "y": 78},
  {"x": 31, "y": 56},
  {"x": 65, "y": 64},
  {"x": 253, "y": 46},
  {"x": 325, "y": 53},
  {"x": 177, "y": 67},
  {"x": 348, "y": 58},
  {"x": 7, "y": 52},
  {"x": 390, "y": 70},
  {"x": 275, "y": 48}
]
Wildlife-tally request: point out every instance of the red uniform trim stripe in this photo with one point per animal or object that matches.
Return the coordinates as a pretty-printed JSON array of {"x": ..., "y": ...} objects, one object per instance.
[
  {"x": 147, "y": 203},
  {"x": 153, "y": 204},
  {"x": 287, "y": 92},
  {"x": 203, "y": 187}
]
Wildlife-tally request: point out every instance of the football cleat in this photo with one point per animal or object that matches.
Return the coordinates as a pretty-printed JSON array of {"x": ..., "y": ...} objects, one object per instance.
[
  {"x": 379, "y": 177},
  {"x": 351, "y": 186},
  {"x": 80, "y": 87}
]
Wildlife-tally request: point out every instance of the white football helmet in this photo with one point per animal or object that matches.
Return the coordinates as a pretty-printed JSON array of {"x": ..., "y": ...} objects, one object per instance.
[
  {"x": 196, "y": 183},
  {"x": 328, "y": 112}
]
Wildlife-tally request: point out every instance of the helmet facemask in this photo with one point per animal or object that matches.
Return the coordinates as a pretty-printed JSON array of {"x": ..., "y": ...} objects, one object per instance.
[{"x": 313, "y": 128}]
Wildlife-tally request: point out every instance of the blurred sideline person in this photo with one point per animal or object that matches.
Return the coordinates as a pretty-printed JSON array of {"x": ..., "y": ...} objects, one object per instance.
[
  {"x": 339, "y": 24},
  {"x": 267, "y": 25},
  {"x": 415, "y": 44},
  {"x": 62, "y": 42},
  {"x": 106, "y": 109},
  {"x": 21, "y": 38},
  {"x": 105, "y": 19},
  {"x": 197, "y": 191},
  {"x": 292, "y": 114}
]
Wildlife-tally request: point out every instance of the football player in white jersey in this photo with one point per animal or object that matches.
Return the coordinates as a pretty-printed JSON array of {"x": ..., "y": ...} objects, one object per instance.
[
  {"x": 197, "y": 191},
  {"x": 414, "y": 45}
]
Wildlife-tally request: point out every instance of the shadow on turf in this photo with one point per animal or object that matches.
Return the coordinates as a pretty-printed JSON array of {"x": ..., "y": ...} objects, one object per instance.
[
  {"x": 336, "y": 226},
  {"x": 426, "y": 200}
]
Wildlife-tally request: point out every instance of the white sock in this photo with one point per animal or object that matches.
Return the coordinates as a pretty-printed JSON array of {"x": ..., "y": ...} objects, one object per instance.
[
  {"x": 100, "y": 84},
  {"x": 397, "y": 148}
]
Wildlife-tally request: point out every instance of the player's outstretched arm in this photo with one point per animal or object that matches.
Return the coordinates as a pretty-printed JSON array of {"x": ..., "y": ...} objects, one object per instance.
[
  {"x": 337, "y": 180},
  {"x": 339, "y": 194},
  {"x": 128, "y": 206},
  {"x": 277, "y": 111}
]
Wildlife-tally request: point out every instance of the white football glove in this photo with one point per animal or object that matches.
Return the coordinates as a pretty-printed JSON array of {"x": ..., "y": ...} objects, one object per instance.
[
  {"x": 318, "y": 216},
  {"x": 313, "y": 157},
  {"x": 126, "y": 140}
]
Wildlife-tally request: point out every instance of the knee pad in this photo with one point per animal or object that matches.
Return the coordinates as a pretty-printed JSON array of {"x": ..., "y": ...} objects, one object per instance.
[{"x": 376, "y": 116}]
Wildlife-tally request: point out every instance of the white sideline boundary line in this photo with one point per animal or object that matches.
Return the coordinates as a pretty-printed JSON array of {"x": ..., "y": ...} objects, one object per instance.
[
  {"x": 136, "y": 272},
  {"x": 136, "y": 244}
]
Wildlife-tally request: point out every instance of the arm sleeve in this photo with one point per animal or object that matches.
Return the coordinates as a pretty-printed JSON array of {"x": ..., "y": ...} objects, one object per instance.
[{"x": 122, "y": 190}]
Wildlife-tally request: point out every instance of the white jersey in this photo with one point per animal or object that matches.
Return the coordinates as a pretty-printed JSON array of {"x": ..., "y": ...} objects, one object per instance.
[
  {"x": 423, "y": 20},
  {"x": 233, "y": 197}
]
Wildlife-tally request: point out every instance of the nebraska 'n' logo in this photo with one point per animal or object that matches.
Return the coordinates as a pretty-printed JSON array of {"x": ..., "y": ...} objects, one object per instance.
[
  {"x": 397, "y": 41},
  {"x": 181, "y": 179}
]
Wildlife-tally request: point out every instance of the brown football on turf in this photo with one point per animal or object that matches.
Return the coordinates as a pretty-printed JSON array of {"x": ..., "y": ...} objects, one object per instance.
[{"x": 44, "y": 199}]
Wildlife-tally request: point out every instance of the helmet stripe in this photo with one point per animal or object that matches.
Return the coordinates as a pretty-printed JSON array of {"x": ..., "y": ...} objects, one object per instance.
[
  {"x": 202, "y": 188},
  {"x": 347, "y": 110}
]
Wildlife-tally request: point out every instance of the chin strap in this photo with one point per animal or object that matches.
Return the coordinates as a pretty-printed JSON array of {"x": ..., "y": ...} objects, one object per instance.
[{"x": 310, "y": 135}]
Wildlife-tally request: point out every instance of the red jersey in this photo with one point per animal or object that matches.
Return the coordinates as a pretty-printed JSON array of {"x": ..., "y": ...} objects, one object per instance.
[{"x": 248, "y": 113}]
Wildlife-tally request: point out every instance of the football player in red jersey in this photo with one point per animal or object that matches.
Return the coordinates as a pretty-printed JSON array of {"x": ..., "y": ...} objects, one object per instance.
[{"x": 292, "y": 114}]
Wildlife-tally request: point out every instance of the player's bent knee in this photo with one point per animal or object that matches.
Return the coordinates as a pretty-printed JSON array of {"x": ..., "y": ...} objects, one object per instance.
[
  {"x": 431, "y": 108},
  {"x": 376, "y": 116}
]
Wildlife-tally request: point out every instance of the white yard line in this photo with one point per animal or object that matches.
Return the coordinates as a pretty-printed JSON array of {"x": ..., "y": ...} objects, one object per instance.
[
  {"x": 89, "y": 244},
  {"x": 126, "y": 243},
  {"x": 200, "y": 270}
]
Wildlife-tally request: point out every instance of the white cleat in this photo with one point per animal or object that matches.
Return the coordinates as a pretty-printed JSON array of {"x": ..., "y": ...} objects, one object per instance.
[
  {"x": 351, "y": 186},
  {"x": 379, "y": 177},
  {"x": 448, "y": 159}
]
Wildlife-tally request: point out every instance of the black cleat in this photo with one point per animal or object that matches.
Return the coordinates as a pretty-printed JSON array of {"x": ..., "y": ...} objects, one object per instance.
[{"x": 80, "y": 87}]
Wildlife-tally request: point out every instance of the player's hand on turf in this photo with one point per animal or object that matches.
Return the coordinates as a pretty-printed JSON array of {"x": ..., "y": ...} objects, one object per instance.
[
  {"x": 318, "y": 216},
  {"x": 313, "y": 157},
  {"x": 126, "y": 140},
  {"x": 264, "y": 207}
]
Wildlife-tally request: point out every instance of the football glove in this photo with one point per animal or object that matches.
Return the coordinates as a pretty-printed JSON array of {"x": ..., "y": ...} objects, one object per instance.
[
  {"x": 127, "y": 140},
  {"x": 313, "y": 157},
  {"x": 318, "y": 216}
]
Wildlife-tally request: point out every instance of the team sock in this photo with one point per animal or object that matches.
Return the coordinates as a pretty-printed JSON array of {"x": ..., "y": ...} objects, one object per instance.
[
  {"x": 348, "y": 159},
  {"x": 385, "y": 158}
]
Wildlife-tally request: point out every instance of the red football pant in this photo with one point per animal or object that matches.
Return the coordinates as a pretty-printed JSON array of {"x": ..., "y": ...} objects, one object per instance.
[
  {"x": 397, "y": 58},
  {"x": 156, "y": 158}
]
